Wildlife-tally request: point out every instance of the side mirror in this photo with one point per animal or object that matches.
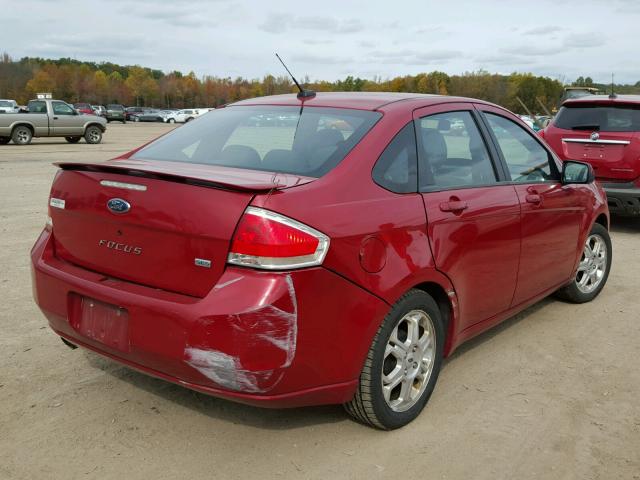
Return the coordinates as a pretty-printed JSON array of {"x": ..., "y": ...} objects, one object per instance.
[{"x": 577, "y": 173}]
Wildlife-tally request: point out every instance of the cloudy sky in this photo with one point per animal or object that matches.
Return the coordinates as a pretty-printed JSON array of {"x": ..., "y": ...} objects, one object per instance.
[{"x": 331, "y": 39}]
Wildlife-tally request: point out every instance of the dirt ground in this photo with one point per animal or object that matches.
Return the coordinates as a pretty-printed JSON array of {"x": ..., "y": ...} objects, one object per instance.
[{"x": 553, "y": 393}]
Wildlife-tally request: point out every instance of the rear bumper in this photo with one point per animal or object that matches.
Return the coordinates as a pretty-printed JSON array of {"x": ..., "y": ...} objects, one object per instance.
[
  {"x": 623, "y": 199},
  {"x": 269, "y": 339}
]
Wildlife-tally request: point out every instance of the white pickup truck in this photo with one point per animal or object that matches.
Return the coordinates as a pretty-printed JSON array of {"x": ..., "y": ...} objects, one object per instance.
[{"x": 51, "y": 118}]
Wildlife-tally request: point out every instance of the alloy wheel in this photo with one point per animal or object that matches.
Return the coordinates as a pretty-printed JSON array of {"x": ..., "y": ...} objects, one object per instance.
[
  {"x": 593, "y": 264},
  {"x": 408, "y": 360}
]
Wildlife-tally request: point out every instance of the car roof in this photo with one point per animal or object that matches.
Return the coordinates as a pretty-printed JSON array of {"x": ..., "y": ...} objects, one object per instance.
[
  {"x": 604, "y": 99},
  {"x": 355, "y": 100}
]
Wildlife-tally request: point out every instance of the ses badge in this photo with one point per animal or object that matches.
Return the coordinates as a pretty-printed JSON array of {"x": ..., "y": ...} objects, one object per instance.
[{"x": 118, "y": 206}]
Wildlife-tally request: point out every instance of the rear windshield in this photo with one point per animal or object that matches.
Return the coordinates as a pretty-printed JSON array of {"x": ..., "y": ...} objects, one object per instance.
[
  {"x": 605, "y": 118},
  {"x": 273, "y": 139},
  {"x": 115, "y": 107}
]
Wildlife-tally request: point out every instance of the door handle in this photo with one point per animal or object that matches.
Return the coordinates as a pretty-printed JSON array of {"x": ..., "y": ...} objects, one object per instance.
[
  {"x": 55, "y": 118},
  {"x": 453, "y": 206},
  {"x": 533, "y": 198}
]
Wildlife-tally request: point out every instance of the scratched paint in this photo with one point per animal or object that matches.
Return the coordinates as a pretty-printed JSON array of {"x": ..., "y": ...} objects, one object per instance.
[{"x": 250, "y": 333}]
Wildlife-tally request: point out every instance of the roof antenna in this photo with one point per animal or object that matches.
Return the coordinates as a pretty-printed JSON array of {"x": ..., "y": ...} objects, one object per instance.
[
  {"x": 302, "y": 93},
  {"x": 613, "y": 94}
]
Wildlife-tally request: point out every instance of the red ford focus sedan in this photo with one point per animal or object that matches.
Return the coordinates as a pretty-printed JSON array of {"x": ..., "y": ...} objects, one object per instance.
[{"x": 333, "y": 249}]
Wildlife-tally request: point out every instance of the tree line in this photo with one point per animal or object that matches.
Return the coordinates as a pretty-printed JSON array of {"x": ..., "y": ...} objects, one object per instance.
[{"x": 103, "y": 83}]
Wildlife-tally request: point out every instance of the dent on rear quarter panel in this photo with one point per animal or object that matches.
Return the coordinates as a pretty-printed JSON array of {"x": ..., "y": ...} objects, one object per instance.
[{"x": 258, "y": 343}]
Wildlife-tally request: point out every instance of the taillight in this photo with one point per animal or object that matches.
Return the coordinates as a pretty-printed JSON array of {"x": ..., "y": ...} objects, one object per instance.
[{"x": 265, "y": 239}]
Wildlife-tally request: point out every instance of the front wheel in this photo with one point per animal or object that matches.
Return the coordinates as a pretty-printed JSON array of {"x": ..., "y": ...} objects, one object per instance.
[
  {"x": 171, "y": 120},
  {"x": 402, "y": 365},
  {"x": 93, "y": 135},
  {"x": 593, "y": 269},
  {"x": 72, "y": 139},
  {"x": 4, "y": 140}
]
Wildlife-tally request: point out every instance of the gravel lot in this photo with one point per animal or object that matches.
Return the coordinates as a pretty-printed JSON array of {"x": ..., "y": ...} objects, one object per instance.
[{"x": 553, "y": 393}]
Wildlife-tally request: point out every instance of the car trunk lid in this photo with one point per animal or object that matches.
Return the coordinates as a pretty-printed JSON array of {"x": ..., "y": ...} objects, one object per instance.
[
  {"x": 169, "y": 226},
  {"x": 613, "y": 155}
]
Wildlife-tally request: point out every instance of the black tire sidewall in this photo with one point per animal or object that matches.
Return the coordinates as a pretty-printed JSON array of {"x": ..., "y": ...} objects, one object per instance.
[
  {"x": 86, "y": 135},
  {"x": 21, "y": 143},
  {"x": 416, "y": 300}
]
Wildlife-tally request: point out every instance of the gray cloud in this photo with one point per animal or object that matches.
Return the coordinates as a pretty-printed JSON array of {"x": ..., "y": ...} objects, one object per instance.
[
  {"x": 531, "y": 50},
  {"x": 280, "y": 22},
  {"x": 90, "y": 45},
  {"x": 543, "y": 30},
  {"x": 584, "y": 40},
  {"x": 413, "y": 57}
]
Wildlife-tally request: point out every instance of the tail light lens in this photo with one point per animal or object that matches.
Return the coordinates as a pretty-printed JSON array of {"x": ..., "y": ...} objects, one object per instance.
[{"x": 265, "y": 239}]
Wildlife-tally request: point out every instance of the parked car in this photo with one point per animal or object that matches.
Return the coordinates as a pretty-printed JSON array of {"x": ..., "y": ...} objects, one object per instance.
[
  {"x": 149, "y": 115},
  {"x": 604, "y": 131},
  {"x": 317, "y": 266},
  {"x": 9, "y": 106},
  {"x": 84, "y": 108},
  {"x": 51, "y": 118},
  {"x": 115, "y": 112},
  {"x": 132, "y": 112},
  {"x": 184, "y": 116},
  {"x": 99, "y": 110}
]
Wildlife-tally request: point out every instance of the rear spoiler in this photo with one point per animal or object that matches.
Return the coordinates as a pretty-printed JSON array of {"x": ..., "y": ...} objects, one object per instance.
[{"x": 212, "y": 176}]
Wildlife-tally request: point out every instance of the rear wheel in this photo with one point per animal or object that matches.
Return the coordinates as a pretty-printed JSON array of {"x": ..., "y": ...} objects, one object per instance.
[
  {"x": 136, "y": 119},
  {"x": 124, "y": 122},
  {"x": 593, "y": 269},
  {"x": 188, "y": 119},
  {"x": 402, "y": 365},
  {"x": 93, "y": 135},
  {"x": 171, "y": 120},
  {"x": 72, "y": 139},
  {"x": 21, "y": 135}
]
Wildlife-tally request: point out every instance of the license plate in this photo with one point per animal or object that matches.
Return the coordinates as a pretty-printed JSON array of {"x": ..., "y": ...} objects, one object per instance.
[{"x": 102, "y": 322}]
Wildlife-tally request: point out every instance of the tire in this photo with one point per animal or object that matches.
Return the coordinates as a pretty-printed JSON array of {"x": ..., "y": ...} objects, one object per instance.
[
  {"x": 171, "y": 120},
  {"x": 93, "y": 135},
  {"x": 4, "y": 140},
  {"x": 370, "y": 405},
  {"x": 188, "y": 119},
  {"x": 136, "y": 119},
  {"x": 72, "y": 139},
  {"x": 21, "y": 135},
  {"x": 593, "y": 270},
  {"x": 108, "y": 121},
  {"x": 124, "y": 122}
]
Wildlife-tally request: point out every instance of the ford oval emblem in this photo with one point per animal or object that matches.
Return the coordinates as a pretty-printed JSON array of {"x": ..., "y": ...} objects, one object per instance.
[
  {"x": 118, "y": 206},
  {"x": 595, "y": 136}
]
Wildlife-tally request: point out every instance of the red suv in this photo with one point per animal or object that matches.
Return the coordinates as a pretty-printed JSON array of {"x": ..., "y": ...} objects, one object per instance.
[
  {"x": 604, "y": 131},
  {"x": 264, "y": 256}
]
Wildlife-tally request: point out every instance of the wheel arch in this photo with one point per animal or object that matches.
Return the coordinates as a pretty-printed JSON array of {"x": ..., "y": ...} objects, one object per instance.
[
  {"x": 95, "y": 124},
  {"x": 444, "y": 298},
  {"x": 603, "y": 220},
  {"x": 23, "y": 124}
]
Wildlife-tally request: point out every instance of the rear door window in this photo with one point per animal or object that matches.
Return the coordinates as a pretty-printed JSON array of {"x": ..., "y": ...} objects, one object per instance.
[
  {"x": 604, "y": 118},
  {"x": 308, "y": 142},
  {"x": 452, "y": 152}
]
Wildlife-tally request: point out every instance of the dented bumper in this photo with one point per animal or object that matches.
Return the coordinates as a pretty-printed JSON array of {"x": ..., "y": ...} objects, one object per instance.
[{"x": 265, "y": 338}]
